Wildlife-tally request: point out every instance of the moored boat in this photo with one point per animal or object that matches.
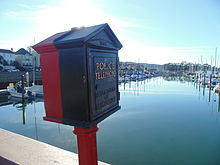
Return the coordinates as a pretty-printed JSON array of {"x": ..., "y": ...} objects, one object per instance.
[
  {"x": 35, "y": 91},
  {"x": 16, "y": 93},
  {"x": 217, "y": 88}
]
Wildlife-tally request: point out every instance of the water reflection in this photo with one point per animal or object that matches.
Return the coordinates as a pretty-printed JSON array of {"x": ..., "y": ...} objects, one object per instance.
[
  {"x": 35, "y": 122},
  {"x": 136, "y": 88},
  {"x": 21, "y": 106},
  {"x": 170, "y": 115},
  {"x": 26, "y": 117},
  {"x": 148, "y": 86},
  {"x": 172, "y": 103},
  {"x": 4, "y": 100},
  {"x": 156, "y": 86}
]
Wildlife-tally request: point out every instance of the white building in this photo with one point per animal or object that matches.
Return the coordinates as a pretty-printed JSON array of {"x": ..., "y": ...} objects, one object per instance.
[
  {"x": 24, "y": 58},
  {"x": 8, "y": 56},
  {"x": 36, "y": 57}
]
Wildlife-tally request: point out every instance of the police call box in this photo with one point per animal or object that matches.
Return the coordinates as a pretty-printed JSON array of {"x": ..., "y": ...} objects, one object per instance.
[{"x": 80, "y": 75}]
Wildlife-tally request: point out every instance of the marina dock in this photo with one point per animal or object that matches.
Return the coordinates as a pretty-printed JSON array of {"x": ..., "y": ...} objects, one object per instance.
[{"x": 17, "y": 149}]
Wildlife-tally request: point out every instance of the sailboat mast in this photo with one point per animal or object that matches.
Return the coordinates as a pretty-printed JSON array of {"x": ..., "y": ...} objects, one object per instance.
[
  {"x": 215, "y": 58},
  {"x": 34, "y": 65}
]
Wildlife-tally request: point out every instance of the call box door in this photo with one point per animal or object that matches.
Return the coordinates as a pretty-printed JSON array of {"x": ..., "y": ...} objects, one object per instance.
[{"x": 103, "y": 80}]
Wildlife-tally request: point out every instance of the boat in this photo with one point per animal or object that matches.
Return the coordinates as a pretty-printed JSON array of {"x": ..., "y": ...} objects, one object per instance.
[
  {"x": 35, "y": 91},
  {"x": 217, "y": 88},
  {"x": 3, "y": 92},
  {"x": 16, "y": 93}
]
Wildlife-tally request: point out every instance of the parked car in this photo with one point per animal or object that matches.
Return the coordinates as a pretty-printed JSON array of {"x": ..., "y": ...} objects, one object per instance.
[
  {"x": 11, "y": 70},
  {"x": 14, "y": 70}
]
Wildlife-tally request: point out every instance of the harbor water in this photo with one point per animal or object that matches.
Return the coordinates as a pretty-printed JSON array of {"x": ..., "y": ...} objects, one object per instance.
[{"x": 162, "y": 121}]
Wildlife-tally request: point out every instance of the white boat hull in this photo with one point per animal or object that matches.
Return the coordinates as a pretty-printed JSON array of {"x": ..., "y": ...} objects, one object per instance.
[
  {"x": 36, "y": 90},
  {"x": 14, "y": 93}
]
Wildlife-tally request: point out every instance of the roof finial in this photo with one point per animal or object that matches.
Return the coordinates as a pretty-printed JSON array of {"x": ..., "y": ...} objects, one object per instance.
[{"x": 77, "y": 28}]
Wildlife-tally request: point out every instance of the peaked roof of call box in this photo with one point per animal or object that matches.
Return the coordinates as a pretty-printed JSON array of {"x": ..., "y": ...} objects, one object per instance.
[{"x": 98, "y": 35}]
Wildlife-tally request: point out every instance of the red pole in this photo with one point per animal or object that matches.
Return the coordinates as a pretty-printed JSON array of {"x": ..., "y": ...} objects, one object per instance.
[{"x": 87, "y": 147}]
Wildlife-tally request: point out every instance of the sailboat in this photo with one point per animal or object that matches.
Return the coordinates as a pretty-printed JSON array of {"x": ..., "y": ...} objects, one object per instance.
[
  {"x": 16, "y": 91},
  {"x": 35, "y": 90}
]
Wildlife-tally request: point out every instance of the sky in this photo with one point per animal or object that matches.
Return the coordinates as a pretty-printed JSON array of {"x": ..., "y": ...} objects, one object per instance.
[{"x": 151, "y": 31}]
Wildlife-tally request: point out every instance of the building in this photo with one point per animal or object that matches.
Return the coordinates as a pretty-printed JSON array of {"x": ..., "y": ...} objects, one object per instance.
[
  {"x": 36, "y": 57},
  {"x": 187, "y": 67},
  {"x": 8, "y": 57},
  {"x": 24, "y": 58},
  {"x": 7, "y": 60}
]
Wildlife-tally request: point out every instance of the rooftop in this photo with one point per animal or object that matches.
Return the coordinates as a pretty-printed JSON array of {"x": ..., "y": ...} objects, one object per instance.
[
  {"x": 6, "y": 51},
  {"x": 22, "y": 51}
]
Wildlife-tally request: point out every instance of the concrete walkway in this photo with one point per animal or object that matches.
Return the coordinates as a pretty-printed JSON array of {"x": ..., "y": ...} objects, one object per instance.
[{"x": 17, "y": 149}]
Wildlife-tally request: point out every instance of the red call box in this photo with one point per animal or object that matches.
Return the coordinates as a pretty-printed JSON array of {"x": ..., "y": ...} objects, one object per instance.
[{"x": 80, "y": 75}]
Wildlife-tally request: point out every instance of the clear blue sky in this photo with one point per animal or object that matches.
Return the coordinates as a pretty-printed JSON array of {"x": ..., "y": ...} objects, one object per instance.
[{"x": 152, "y": 31}]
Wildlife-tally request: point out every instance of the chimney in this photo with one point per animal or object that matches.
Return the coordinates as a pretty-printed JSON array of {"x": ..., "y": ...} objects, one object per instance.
[{"x": 77, "y": 28}]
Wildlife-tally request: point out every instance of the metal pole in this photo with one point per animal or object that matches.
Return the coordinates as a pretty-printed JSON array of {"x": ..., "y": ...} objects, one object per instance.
[
  {"x": 204, "y": 85},
  {"x": 87, "y": 147},
  {"x": 215, "y": 59},
  {"x": 124, "y": 79},
  {"x": 218, "y": 102},
  {"x": 23, "y": 110},
  {"x": 22, "y": 86},
  {"x": 210, "y": 83},
  {"x": 200, "y": 80},
  {"x": 34, "y": 68},
  {"x": 27, "y": 79}
]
